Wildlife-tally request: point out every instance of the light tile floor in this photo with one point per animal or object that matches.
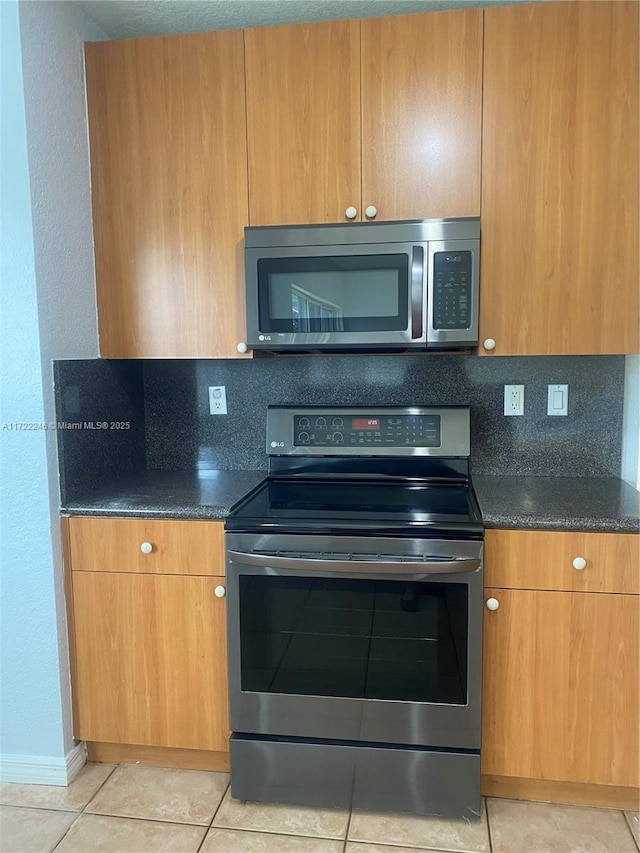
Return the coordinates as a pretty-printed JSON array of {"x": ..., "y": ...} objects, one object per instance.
[{"x": 134, "y": 809}]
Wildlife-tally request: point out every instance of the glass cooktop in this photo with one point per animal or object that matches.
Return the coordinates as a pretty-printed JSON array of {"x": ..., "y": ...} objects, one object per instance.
[{"x": 323, "y": 505}]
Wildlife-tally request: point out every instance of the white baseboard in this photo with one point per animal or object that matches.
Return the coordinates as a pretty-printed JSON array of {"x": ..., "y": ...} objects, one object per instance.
[{"x": 42, "y": 769}]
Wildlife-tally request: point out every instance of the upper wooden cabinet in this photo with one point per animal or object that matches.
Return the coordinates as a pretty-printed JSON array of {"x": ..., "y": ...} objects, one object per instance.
[
  {"x": 421, "y": 114},
  {"x": 169, "y": 193},
  {"x": 303, "y": 122},
  {"x": 382, "y": 113},
  {"x": 560, "y": 179}
]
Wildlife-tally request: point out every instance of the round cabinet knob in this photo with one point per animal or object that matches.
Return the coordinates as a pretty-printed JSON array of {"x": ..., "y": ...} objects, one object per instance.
[
  {"x": 492, "y": 603},
  {"x": 146, "y": 547},
  {"x": 579, "y": 563},
  {"x": 219, "y": 592},
  {"x": 489, "y": 344},
  {"x": 371, "y": 212},
  {"x": 242, "y": 347},
  {"x": 351, "y": 212}
]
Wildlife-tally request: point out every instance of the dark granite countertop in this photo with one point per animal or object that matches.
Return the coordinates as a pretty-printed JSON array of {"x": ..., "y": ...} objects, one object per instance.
[
  {"x": 548, "y": 503},
  {"x": 169, "y": 494},
  {"x": 604, "y": 504}
]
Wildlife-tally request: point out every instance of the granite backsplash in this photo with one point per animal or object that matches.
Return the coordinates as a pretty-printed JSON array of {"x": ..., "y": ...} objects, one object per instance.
[
  {"x": 100, "y": 416},
  {"x": 166, "y": 403}
]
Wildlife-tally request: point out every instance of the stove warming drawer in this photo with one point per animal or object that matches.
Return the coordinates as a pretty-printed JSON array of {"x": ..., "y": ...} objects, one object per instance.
[{"x": 362, "y": 776}]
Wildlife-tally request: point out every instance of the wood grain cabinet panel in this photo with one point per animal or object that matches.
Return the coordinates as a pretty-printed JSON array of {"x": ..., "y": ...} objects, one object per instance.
[
  {"x": 169, "y": 192},
  {"x": 560, "y": 178},
  {"x": 177, "y": 547},
  {"x": 561, "y": 693},
  {"x": 150, "y": 660},
  {"x": 303, "y": 122},
  {"x": 422, "y": 114},
  {"x": 540, "y": 559},
  {"x": 416, "y": 82}
]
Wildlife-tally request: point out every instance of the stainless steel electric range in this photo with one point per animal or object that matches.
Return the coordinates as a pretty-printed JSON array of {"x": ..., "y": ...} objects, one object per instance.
[{"x": 354, "y": 584}]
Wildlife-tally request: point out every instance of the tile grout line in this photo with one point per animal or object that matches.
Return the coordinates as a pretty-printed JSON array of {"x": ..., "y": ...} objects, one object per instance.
[
  {"x": 91, "y": 798},
  {"x": 98, "y": 789},
  {"x": 213, "y": 816},
  {"x": 77, "y": 813},
  {"x": 66, "y": 832},
  {"x": 486, "y": 811},
  {"x": 628, "y": 822},
  {"x": 346, "y": 835},
  {"x": 286, "y": 833}
]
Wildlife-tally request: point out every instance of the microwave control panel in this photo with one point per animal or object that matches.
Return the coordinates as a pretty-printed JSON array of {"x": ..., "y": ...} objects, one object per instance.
[
  {"x": 452, "y": 290},
  {"x": 347, "y": 430}
]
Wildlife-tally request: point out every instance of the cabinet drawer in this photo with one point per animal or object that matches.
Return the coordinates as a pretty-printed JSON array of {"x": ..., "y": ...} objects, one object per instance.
[
  {"x": 538, "y": 559},
  {"x": 172, "y": 547}
]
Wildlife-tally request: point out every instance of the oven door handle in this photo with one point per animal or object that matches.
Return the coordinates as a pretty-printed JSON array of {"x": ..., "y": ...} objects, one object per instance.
[{"x": 432, "y": 566}]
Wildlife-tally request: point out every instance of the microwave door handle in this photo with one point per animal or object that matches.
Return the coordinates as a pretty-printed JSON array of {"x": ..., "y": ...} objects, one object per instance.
[
  {"x": 430, "y": 566},
  {"x": 417, "y": 291}
]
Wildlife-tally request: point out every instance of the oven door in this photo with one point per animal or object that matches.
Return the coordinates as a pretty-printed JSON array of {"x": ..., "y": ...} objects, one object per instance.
[
  {"x": 363, "y": 639},
  {"x": 336, "y": 297}
]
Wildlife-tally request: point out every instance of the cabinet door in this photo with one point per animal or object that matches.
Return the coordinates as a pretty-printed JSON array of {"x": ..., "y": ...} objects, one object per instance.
[
  {"x": 303, "y": 122},
  {"x": 150, "y": 660},
  {"x": 422, "y": 114},
  {"x": 561, "y": 687},
  {"x": 560, "y": 178},
  {"x": 169, "y": 194}
]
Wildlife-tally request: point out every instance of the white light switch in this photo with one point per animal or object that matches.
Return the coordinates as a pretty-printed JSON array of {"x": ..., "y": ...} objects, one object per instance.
[{"x": 557, "y": 399}]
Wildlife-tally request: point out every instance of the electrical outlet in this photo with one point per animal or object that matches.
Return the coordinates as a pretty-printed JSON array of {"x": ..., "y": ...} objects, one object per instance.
[
  {"x": 217, "y": 400},
  {"x": 513, "y": 400}
]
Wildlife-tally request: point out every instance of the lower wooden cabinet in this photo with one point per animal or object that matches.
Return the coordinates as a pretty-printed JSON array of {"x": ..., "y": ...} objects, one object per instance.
[
  {"x": 151, "y": 664},
  {"x": 148, "y": 639},
  {"x": 561, "y": 671}
]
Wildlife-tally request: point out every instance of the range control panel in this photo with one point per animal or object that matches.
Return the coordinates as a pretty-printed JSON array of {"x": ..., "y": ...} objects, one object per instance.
[
  {"x": 452, "y": 290},
  {"x": 368, "y": 431},
  {"x": 352, "y": 430}
]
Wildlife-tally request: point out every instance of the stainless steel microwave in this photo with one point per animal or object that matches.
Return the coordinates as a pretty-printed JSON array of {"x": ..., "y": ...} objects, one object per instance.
[{"x": 363, "y": 287}]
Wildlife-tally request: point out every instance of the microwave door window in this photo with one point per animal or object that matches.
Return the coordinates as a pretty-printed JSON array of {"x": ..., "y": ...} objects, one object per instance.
[
  {"x": 308, "y": 309},
  {"x": 333, "y": 295}
]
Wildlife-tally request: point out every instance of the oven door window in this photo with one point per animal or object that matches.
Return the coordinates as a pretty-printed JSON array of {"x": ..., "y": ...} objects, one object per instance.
[
  {"x": 362, "y": 293},
  {"x": 373, "y": 639}
]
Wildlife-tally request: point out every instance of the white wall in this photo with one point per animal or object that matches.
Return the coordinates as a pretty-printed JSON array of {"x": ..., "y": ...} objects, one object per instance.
[{"x": 48, "y": 311}]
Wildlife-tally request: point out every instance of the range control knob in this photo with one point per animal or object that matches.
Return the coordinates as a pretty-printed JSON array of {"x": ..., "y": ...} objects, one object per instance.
[
  {"x": 321, "y": 423},
  {"x": 338, "y": 437},
  {"x": 338, "y": 423},
  {"x": 303, "y": 423},
  {"x": 304, "y": 436}
]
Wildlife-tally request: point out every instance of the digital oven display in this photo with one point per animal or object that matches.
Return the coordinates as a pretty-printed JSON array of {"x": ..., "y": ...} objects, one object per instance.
[{"x": 365, "y": 423}]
